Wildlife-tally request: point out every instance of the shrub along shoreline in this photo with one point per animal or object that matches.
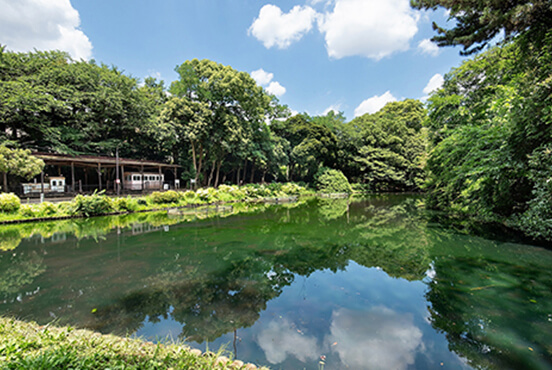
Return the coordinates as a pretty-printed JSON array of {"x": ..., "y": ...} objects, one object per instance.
[{"x": 99, "y": 204}]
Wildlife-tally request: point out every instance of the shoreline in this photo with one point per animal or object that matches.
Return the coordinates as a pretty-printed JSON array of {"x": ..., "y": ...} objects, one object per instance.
[{"x": 181, "y": 203}]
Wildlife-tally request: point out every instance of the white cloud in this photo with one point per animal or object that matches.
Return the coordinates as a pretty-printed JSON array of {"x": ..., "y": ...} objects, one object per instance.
[
  {"x": 261, "y": 77},
  {"x": 369, "y": 28},
  {"x": 43, "y": 25},
  {"x": 281, "y": 339},
  {"x": 334, "y": 107},
  {"x": 155, "y": 74},
  {"x": 275, "y": 88},
  {"x": 264, "y": 79},
  {"x": 426, "y": 46},
  {"x": 434, "y": 83},
  {"x": 374, "y": 104},
  {"x": 378, "y": 339},
  {"x": 274, "y": 28}
]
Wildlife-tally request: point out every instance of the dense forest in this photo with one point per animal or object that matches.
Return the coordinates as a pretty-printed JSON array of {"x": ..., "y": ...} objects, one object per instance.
[
  {"x": 490, "y": 125},
  {"x": 481, "y": 147},
  {"x": 214, "y": 121}
]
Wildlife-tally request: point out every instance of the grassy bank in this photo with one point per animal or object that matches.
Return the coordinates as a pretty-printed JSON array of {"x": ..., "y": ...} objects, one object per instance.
[
  {"x": 96, "y": 204},
  {"x": 30, "y": 346}
]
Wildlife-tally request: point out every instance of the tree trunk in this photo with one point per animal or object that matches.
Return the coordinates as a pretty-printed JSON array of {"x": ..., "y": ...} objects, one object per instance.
[
  {"x": 5, "y": 176},
  {"x": 218, "y": 174},
  {"x": 194, "y": 159},
  {"x": 252, "y": 178},
  {"x": 200, "y": 164},
  {"x": 211, "y": 174},
  {"x": 238, "y": 176},
  {"x": 244, "y": 170}
]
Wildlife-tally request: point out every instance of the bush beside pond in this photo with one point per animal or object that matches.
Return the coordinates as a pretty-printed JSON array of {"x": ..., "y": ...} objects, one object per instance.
[
  {"x": 30, "y": 346},
  {"x": 333, "y": 181},
  {"x": 9, "y": 203},
  {"x": 92, "y": 205},
  {"x": 165, "y": 197}
]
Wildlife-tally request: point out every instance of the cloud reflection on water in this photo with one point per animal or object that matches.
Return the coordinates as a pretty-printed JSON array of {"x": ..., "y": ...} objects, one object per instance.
[
  {"x": 377, "y": 339},
  {"x": 280, "y": 339}
]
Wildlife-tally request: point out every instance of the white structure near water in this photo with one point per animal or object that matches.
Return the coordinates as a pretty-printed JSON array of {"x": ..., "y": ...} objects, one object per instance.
[
  {"x": 134, "y": 181},
  {"x": 55, "y": 184}
]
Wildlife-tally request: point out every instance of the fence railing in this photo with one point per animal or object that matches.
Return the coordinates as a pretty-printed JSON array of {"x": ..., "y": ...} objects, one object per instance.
[{"x": 68, "y": 190}]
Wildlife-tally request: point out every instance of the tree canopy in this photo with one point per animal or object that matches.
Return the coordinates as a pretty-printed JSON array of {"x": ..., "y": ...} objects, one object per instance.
[
  {"x": 18, "y": 162},
  {"x": 490, "y": 126},
  {"x": 387, "y": 149},
  {"x": 227, "y": 115},
  {"x": 477, "y": 22},
  {"x": 54, "y": 104},
  {"x": 310, "y": 146},
  {"x": 214, "y": 121}
]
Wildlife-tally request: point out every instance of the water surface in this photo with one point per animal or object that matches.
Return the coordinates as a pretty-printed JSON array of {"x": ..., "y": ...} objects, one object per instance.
[{"x": 340, "y": 284}]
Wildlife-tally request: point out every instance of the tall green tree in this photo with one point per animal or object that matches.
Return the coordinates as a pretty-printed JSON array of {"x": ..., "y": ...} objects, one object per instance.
[
  {"x": 184, "y": 120},
  {"x": 238, "y": 109}
]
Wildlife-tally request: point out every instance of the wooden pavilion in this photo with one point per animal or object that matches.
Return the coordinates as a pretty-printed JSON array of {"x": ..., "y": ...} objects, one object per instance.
[{"x": 108, "y": 173}]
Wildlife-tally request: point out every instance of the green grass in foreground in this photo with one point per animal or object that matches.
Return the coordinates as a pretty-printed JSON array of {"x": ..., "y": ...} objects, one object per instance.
[{"x": 30, "y": 346}]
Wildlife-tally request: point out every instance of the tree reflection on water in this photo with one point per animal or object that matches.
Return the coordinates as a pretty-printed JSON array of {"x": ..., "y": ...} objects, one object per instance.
[{"x": 216, "y": 275}]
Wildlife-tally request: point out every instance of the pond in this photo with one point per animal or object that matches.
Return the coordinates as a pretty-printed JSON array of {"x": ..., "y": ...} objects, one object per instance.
[{"x": 371, "y": 283}]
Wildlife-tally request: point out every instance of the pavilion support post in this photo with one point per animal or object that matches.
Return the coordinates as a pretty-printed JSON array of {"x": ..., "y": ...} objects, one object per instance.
[
  {"x": 73, "y": 188},
  {"x": 117, "y": 179},
  {"x": 175, "y": 178},
  {"x": 142, "y": 176},
  {"x": 160, "y": 179},
  {"x": 99, "y": 176},
  {"x": 123, "y": 178},
  {"x": 110, "y": 176},
  {"x": 41, "y": 186}
]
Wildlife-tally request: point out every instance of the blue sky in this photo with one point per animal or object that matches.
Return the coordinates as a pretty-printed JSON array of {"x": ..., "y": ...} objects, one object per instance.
[{"x": 315, "y": 55}]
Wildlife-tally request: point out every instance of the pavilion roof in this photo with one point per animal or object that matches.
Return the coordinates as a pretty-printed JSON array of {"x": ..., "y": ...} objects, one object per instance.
[{"x": 94, "y": 161}]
